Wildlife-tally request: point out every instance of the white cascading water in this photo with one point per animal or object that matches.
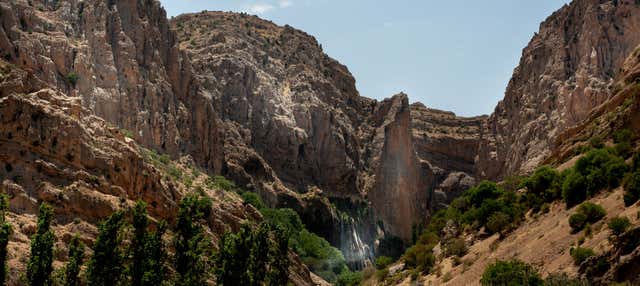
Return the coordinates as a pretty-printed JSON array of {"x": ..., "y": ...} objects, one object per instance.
[{"x": 357, "y": 253}]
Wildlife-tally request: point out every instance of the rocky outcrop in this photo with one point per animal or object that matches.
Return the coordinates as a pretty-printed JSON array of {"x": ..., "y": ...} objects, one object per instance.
[
  {"x": 58, "y": 152},
  {"x": 565, "y": 71},
  {"x": 449, "y": 145},
  {"x": 400, "y": 192},
  {"x": 122, "y": 60}
]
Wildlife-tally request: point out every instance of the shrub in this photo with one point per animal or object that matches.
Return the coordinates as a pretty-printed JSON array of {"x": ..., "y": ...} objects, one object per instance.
[
  {"x": 619, "y": 225},
  {"x": 72, "y": 78},
  {"x": 541, "y": 180},
  {"x": 383, "y": 261},
  {"x": 456, "y": 246},
  {"x": 636, "y": 162},
  {"x": 574, "y": 189},
  {"x": 484, "y": 191},
  {"x": 498, "y": 222},
  {"x": 577, "y": 221},
  {"x": 587, "y": 213},
  {"x": 348, "y": 278},
  {"x": 593, "y": 211},
  {"x": 510, "y": 273},
  {"x": 622, "y": 136},
  {"x": 253, "y": 199},
  {"x": 580, "y": 254},
  {"x": 632, "y": 189},
  {"x": 419, "y": 257},
  {"x": 623, "y": 149},
  {"x": 615, "y": 170}
]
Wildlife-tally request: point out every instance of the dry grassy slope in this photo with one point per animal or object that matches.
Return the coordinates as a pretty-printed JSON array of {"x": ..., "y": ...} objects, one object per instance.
[{"x": 542, "y": 241}]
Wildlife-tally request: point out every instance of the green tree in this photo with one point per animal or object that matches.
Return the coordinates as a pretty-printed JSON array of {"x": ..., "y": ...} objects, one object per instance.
[
  {"x": 511, "y": 273},
  {"x": 106, "y": 265},
  {"x": 40, "y": 262},
  {"x": 279, "y": 274},
  {"x": 155, "y": 255},
  {"x": 190, "y": 241},
  {"x": 72, "y": 268},
  {"x": 5, "y": 232},
  {"x": 233, "y": 258},
  {"x": 138, "y": 242}
]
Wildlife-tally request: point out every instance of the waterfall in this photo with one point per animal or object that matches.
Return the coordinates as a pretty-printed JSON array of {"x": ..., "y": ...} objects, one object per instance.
[{"x": 357, "y": 253}]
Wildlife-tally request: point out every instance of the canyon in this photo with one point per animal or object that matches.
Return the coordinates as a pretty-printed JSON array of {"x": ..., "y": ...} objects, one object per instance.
[{"x": 91, "y": 90}]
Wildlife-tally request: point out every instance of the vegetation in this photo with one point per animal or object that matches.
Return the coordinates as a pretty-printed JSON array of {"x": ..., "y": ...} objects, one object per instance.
[
  {"x": 106, "y": 265},
  {"x": 5, "y": 232},
  {"x": 510, "y": 273},
  {"x": 618, "y": 225},
  {"x": 383, "y": 261},
  {"x": 580, "y": 254},
  {"x": 632, "y": 187},
  {"x": 598, "y": 169},
  {"x": 315, "y": 251},
  {"x": 40, "y": 262},
  {"x": 191, "y": 243},
  {"x": 253, "y": 257},
  {"x": 147, "y": 250},
  {"x": 72, "y": 268},
  {"x": 72, "y": 78},
  {"x": 587, "y": 213}
]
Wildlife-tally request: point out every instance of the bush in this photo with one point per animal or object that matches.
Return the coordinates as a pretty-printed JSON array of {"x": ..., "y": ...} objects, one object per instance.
[
  {"x": 593, "y": 211},
  {"x": 383, "y": 261},
  {"x": 348, "y": 278},
  {"x": 252, "y": 199},
  {"x": 580, "y": 254},
  {"x": 484, "y": 191},
  {"x": 635, "y": 166},
  {"x": 577, "y": 221},
  {"x": 618, "y": 225},
  {"x": 498, "y": 222},
  {"x": 632, "y": 188},
  {"x": 622, "y": 136},
  {"x": 510, "y": 273},
  {"x": 574, "y": 189},
  {"x": 541, "y": 181},
  {"x": 420, "y": 257},
  {"x": 587, "y": 213},
  {"x": 615, "y": 170},
  {"x": 456, "y": 246},
  {"x": 72, "y": 78}
]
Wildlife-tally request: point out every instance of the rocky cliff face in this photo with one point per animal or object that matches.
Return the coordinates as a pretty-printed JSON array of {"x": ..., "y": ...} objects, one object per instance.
[
  {"x": 448, "y": 144},
  {"x": 127, "y": 66},
  {"x": 565, "y": 71},
  {"x": 300, "y": 128}
]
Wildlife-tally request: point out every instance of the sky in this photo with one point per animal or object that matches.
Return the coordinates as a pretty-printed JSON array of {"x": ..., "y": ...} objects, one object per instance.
[{"x": 450, "y": 55}]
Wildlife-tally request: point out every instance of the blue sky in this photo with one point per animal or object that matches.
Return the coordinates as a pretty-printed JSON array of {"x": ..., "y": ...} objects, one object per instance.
[{"x": 451, "y": 55}]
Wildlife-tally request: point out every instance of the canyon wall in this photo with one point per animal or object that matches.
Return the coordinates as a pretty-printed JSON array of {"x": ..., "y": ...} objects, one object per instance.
[{"x": 565, "y": 71}]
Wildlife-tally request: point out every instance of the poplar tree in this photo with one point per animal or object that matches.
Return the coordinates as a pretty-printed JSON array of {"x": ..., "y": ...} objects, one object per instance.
[
  {"x": 40, "y": 262},
  {"x": 5, "y": 231},
  {"x": 105, "y": 267},
  {"x": 72, "y": 268},
  {"x": 191, "y": 242}
]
